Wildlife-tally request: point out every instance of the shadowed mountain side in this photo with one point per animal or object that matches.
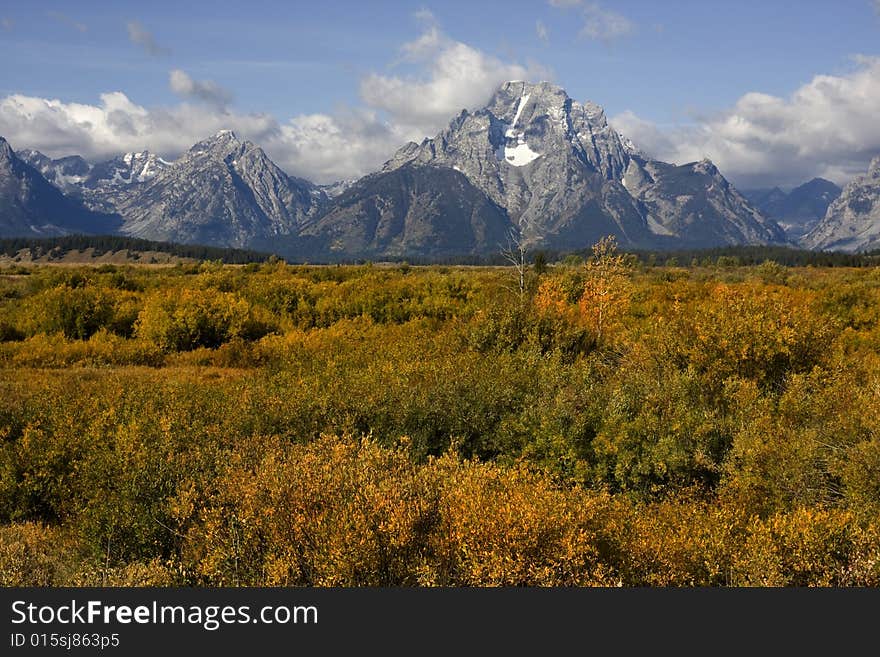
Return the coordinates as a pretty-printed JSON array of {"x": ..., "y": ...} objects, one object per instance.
[
  {"x": 413, "y": 210},
  {"x": 30, "y": 205}
]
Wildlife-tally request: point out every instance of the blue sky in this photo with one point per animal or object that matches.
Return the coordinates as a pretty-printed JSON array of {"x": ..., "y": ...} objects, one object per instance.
[{"x": 296, "y": 73}]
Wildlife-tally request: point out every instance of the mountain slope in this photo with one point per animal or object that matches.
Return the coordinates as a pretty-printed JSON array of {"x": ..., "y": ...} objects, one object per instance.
[
  {"x": 221, "y": 192},
  {"x": 852, "y": 222},
  {"x": 30, "y": 205},
  {"x": 410, "y": 211},
  {"x": 98, "y": 186},
  {"x": 695, "y": 205},
  {"x": 66, "y": 173}
]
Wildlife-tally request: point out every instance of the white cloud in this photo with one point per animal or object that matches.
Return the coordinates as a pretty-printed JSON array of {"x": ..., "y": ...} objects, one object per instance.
[
  {"x": 543, "y": 33},
  {"x": 325, "y": 148},
  {"x": 600, "y": 24},
  {"x": 319, "y": 147},
  {"x": 828, "y": 127},
  {"x": 206, "y": 91},
  {"x": 116, "y": 125},
  {"x": 455, "y": 76},
  {"x": 140, "y": 36},
  {"x": 446, "y": 76}
]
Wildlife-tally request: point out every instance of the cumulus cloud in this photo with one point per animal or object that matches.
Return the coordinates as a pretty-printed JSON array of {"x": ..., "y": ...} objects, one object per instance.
[
  {"x": 828, "y": 127},
  {"x": 116, "y": 124},
  {"x": 325, "y": 148},
  {"x": 140, "y": 36},
  {"x": 454, "y": 76},
  {"x": 206, "y": 91},
  {"x": 446, "y": 76},
  {"x": 599, "y": 23},
  {"x": 64, "y": 19},
  {"x": 544, "y": 34}
]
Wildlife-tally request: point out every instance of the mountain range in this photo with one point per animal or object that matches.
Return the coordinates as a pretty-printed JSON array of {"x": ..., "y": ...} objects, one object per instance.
[
  {"x": 533, "y": 163},
  {"x": 799, "y": 211}
]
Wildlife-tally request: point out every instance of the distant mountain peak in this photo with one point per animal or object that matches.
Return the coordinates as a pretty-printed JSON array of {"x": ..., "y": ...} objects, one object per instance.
[
  {"x": 706, "y": 166},
  {"x": 852, "y": 222},
  {"x": 223, "y": 142},
  {"x": 5, "y": 149},
  {"x": 222, "y": 191}
]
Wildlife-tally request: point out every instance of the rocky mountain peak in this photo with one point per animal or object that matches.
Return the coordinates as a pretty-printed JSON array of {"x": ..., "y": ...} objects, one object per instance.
[
  {"x": 6, "y": 151},
  {"x": 852, "y": 222},
  {"x": 563, "y": 174},
  {"x": 221, "y": 143},
  {"x": 706, "y": 167},
  {"x": 221, "y": 191}
]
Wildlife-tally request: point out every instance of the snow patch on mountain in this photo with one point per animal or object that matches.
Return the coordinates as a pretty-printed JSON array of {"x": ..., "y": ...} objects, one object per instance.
[{"x": 520, "y": 155}]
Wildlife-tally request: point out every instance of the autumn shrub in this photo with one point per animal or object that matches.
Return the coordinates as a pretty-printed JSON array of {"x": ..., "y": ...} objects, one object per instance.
[
  {"x": 334, "y": 513},
  {"x": 101, "y": 349},
  {"x": 806, "y": 547},
  {"x": 759, "y": 333},
  {"x": 684, "y": 540},
  {"x": 509, "y": 527},
  {"x": 187, "y": 319},
  {"x": 33, "y": 554},
  {"x": 75, "y": 312}
]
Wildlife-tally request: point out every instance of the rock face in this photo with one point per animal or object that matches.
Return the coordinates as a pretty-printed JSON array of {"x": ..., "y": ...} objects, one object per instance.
[
  {"x": 565, "y": 177},
  {"x": 101, "y": 185},
  {"x": 124, "y": 170},
  {"x": 801, "y": 209},
  {"x": 31, "y": 206},
  {"x": 695, "y": 205},
  {"x": 852, "y": 222},
  {"x": 221, "y": 192},
  {"x": 66, "y": 173},
  {"x": 411, "y": 211}
]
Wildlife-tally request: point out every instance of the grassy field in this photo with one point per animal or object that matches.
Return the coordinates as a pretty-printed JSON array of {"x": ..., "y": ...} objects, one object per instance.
[{"x": 611, "y": 423}]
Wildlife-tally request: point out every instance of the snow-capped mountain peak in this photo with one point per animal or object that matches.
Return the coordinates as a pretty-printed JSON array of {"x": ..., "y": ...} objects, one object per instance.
[{"x": 551, "y": 161}]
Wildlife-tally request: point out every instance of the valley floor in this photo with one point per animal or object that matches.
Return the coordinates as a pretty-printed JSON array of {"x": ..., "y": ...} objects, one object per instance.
[{"x": 609, "y": 424}]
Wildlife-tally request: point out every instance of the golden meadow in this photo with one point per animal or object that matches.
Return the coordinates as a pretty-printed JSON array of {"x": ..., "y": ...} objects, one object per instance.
[{"x": 610, "y": 424}]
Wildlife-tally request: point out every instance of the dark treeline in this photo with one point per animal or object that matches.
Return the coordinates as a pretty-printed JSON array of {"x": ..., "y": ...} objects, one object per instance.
[
  {"x": 727, "y": 256},
  {"x": 111, "y": 243},
  {"x": 755, "y": 255},
  {"x": 724, "y": 256}
]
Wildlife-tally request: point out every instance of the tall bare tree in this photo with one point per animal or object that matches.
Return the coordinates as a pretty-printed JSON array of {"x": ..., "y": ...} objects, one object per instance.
[{"x": 515, "y": 253}]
